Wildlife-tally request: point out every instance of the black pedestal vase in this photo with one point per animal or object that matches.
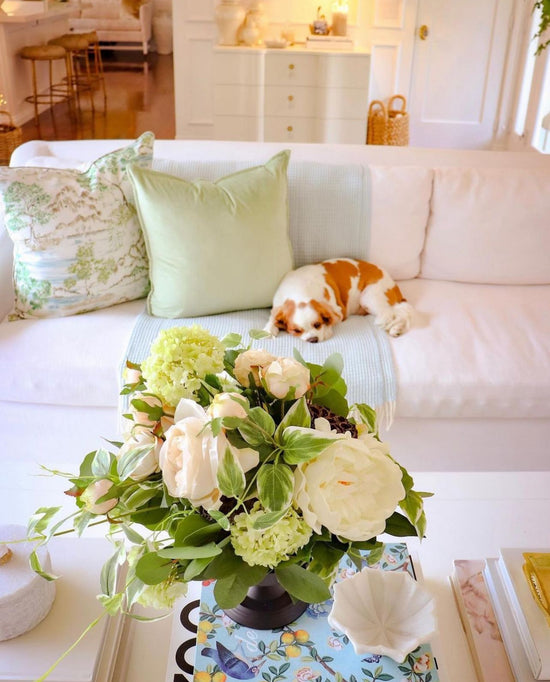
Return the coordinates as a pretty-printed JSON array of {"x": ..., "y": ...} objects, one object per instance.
[{"x": 267, "y": 605}]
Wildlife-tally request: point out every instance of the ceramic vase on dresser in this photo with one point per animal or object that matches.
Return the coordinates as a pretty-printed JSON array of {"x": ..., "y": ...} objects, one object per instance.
[{"x": 230, "y": 15}]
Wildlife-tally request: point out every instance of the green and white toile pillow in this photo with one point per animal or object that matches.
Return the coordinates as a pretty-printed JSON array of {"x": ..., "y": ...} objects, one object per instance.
[{"x": 78, "y": 244}]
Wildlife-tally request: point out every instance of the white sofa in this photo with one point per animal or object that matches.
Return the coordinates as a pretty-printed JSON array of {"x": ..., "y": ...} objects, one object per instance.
[
  {"x": 117, "y": 27},
  {"x": 466, "y": 234}
]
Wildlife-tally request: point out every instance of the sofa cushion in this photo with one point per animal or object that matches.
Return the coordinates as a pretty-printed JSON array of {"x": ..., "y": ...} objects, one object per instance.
[
  {"x": 215, "y": 246},
  {"x": 68, "y": 360},
  {"x": 474, "y": 351},
  {"x": 400, "y": 205},
  {"x": 489, "y": 226},
  {"x": 78, "y": 245}
]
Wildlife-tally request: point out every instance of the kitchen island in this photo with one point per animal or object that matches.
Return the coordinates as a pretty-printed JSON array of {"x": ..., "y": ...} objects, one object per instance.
[{"x": 28, "y": 22}]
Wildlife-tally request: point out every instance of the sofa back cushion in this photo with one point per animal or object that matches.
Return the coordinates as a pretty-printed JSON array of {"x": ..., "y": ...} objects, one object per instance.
[
  {"x": 400, "y": 204},
  {"x": 489, "y": 226}
]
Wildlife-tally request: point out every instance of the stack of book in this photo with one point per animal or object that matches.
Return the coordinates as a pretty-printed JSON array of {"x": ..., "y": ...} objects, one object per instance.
[
  {"x": 503, "y": 606},
  {"x": 207, "y": 645}
]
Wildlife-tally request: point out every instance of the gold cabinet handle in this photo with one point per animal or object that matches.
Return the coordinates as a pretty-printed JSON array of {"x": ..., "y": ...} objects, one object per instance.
[
  {"x": 291, "y": 66},
  {"x": 290, "y": 98},
  {"x": 423, "y": 32},
  {"x": 290, "y": 129}
]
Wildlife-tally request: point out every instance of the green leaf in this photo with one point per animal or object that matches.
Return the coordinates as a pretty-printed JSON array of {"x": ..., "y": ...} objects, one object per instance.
[
  {"x": 275, "y": 485},
  {"x": 220, "y": 518},
  {"x": 36, "y": 566},
  {"x": 231, "y": 590},
  {"x": 132, "y": 534},
  {"x": 302, "y": 584},
  {"x": 325, "y": 560},
  {"x": 130, "y": 461},
  {"x": 301, "y": 445},
  {"x": 231, "y": 478},
  {"x": 140, "y": 496},
  {"x": 368, "y": 416},
  {"x": 81, "y": 522},
  {"x": 399, "y": 525},
  {"x": 298, "y": 356},
  {"x": 263, "y": 419},
  {"x": 112, "y": 604},
  {"x": 252, "y": 433},
  {"x": 269, "y": 519},
  {"x": 153, "y": 412},
  {"x": 190, "y": 552},
  {"x": 40, "y": 520},
  {"x": 188, "y": 526},
  {"x": 195, "y": 567},
  {"x": 101, "y": 463},
  {"x": 335, "y": 402},
  {"x": 153, "y": 569},
  {"x": 109, "y": 573},
  {"x": 232, "y": 340},
  {"x": 297, "y": 415},
  {"x": 258, "y": 334}
]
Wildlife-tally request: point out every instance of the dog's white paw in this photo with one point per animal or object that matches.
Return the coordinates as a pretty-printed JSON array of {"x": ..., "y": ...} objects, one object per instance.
[
  {"x": 271, "y": 329},
  {"x": 396, "y": 320}
]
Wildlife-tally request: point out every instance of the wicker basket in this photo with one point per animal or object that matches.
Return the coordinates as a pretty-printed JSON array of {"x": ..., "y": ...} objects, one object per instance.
[
  {"x": 388, "y": 126},
  {"x": 10, "y": 138}
]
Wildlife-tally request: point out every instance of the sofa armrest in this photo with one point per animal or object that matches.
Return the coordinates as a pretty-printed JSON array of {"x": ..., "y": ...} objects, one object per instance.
[{"x": 146, "y": 20}]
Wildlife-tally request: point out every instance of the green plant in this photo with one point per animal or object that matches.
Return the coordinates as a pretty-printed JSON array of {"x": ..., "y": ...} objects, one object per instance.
[{"x": 544, "y": 23}]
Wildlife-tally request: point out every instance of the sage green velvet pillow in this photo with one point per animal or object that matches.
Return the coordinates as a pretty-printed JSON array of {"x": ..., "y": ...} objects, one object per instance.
[{"x": 214, "y": 246}]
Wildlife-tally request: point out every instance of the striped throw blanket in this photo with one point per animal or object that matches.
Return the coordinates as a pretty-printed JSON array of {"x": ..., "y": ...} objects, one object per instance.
[{"x": 368, "y": 363}]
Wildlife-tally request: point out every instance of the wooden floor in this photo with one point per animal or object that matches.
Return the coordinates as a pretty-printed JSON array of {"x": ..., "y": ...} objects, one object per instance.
[{"x": 140, "y": 97}]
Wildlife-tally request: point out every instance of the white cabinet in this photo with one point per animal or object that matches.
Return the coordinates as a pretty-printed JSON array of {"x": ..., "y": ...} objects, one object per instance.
[{"x": 293, "y": 95}]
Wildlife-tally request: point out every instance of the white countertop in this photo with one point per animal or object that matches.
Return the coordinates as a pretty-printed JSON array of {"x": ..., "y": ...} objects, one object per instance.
[
  {"x": 292, "y": 49},
  {"x": 24, "y": 11}
]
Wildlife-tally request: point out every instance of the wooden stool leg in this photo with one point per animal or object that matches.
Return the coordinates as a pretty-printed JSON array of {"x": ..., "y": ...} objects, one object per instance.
[
  {"x": 35, "y": 91},
  {"x": 99, "y": 66},
  {"x": 89, "y": 83}
]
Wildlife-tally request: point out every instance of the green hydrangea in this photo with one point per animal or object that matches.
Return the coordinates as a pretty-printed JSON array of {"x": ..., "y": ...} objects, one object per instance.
[
  {"x": 268, "y": 547},
  {"x": 163, "y": 595},
  {"x": 180, "y": 357}
]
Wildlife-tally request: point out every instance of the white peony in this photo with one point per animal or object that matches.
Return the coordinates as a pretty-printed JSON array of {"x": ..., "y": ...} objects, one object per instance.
[
  {"x": 190, "y": 456},
  {"x": 142, "y": 437},
  {"x": 351, "y": 488},
  {"x": 250, "y": 362},
  {"x": 228, "y": 405},
  {"x": 283, "y": 375}
]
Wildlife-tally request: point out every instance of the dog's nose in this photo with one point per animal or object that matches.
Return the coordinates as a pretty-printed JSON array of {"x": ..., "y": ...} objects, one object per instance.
[{"x": 313, "y": 339}]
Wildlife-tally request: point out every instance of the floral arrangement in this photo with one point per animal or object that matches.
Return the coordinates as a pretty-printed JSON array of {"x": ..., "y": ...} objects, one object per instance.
[{"x": 235, "y": 463}]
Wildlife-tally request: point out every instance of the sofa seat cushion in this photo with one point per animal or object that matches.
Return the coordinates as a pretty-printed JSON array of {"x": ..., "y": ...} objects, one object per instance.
[
  {"x": 67, "y": 360},
  {"x": 482, "y": 352},
  {"x": 495, "y": 336}
]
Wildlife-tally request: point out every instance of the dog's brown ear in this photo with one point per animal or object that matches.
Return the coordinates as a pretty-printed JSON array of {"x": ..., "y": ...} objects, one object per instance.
[
  {"x": 279, "y": 318},
  {"x": 326, "y": 314}
]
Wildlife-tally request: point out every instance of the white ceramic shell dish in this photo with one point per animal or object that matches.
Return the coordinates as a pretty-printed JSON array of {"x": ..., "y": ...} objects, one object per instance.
[{"x": 383, "y": 612}]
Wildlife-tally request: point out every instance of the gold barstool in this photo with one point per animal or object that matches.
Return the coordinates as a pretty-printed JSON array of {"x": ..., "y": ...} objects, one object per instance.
[
  {"x": 50, "y": 54},
  {"x": 96, "y": 65},
  {"x": 80, "y": 75}
]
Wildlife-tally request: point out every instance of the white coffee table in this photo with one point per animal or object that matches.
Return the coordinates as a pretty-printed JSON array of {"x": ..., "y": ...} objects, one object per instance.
[{"x": 470, "y": 516}]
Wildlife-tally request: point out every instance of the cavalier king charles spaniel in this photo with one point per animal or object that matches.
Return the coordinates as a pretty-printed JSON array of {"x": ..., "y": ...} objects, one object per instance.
[{"x": 311, "y": 300}]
